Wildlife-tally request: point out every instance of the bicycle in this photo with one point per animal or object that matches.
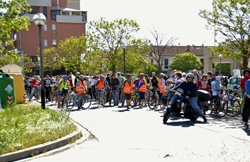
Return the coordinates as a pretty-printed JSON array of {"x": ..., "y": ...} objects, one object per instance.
[
  {"x": 37, "y": 94},
  {"x": 72, "y": 100},
  {"x": 84, "y": 101},
  {"x": 64, "y": 100},
  {"x": 134, "y": 98},
  {"x": 153, "y": 98},
  {"x": 101, "y": 98},
  {"x": 217, "y": 104},
  {"x": 232, "y": 102}
]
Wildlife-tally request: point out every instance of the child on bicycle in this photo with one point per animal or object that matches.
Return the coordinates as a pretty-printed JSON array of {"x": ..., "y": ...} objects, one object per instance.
[{"x": 216, "y": 88}]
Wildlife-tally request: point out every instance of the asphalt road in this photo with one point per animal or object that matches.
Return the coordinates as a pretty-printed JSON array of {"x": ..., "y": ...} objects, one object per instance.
[{"x": 139, "y": 135}]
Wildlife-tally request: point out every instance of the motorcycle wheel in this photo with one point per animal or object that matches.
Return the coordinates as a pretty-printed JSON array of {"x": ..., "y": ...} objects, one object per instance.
[
  {"x": 166, "y": 117},
  {"x": 193, "y": 116}
]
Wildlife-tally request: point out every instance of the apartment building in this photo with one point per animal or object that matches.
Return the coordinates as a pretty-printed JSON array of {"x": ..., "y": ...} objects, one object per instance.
[
  {"x": 204, "y": 55},
  {"x": 64, "y": 19}
]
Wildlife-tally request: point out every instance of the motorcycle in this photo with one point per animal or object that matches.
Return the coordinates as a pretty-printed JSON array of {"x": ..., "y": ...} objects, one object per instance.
[{"x": 180, "y": 105}]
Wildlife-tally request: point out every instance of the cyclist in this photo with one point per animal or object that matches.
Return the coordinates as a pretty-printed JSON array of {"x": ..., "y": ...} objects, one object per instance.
[
  {"x": 64, "y": 84},
  {"x": 100, "y": 84},
  {"x": 128, "y": 86},
  {"x": 76, "y": 79},
  {"x": 114, "y": 83},
  {"x": 190, "y": 89},
  {"x": 154, "y": 81},
  {"x": 47, "y": 85},
  {"x": 161, "y": 87},
  {"x": 142, "y": 89},
  {"x": 36, "y": 83},
  {"x": 216, "y": 88},
  {"x": 80, "y": 87}
]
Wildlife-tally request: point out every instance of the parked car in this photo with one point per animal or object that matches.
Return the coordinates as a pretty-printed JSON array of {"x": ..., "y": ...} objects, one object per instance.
[{"x": 234, "y": 80}]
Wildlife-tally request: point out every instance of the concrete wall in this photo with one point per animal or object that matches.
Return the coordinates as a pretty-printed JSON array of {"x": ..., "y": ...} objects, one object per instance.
[
  {"x": 69, "y": 19},
  {"x": 39, "y": 2}
]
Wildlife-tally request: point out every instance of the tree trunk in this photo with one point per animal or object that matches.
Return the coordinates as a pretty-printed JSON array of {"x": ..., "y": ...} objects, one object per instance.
[
  {"x": 159, "y": 68},
  {"x": 51, "y": 71},
  {"x": 245, "y": 63},
  {"x": 114, "y": 69}
]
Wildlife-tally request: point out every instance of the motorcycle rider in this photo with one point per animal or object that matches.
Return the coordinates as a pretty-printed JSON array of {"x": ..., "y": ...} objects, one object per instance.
[{"x": 190, "y": 89}]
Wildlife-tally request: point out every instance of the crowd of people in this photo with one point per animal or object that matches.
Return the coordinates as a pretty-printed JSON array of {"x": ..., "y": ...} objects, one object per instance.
[{"x": 121, "y": 85}]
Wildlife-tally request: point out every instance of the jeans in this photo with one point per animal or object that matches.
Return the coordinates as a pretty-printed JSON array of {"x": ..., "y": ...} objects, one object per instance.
[
  {"x": 93, "y": 91},
  {"x": 33, "y": 91},
  {"x": 116, "y": 97},
  {"x": 193, "y": 103},
  {"x": 174, "y": 99}
]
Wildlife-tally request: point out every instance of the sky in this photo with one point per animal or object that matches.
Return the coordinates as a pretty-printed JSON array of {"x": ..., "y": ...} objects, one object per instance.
[{"x": 177, "y": 18}]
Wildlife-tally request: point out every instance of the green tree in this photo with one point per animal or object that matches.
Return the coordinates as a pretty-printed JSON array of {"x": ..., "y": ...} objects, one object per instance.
[
  {"x": 109, "y": 36},
  {"x": 11, "y": 21},
  {"x": 225, "y": 68},
  {"x": 73, "y": 51},
  {"x": 185, "y": 62},
  {"x": 231, "y": 18},
  {"x": 51, "y": 59}
]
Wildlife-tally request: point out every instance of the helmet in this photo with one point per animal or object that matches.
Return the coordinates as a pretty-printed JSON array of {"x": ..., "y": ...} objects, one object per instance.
[
  {"x": 77, "y": 73},
  {"x": 184, "y": 73},
  {"x": 190, "y": 75},
  {"x": 128, "y": 75},
  {"x": 161, "y": 74},
  {"x": 101, "y": 76},
  {"x": 141, "y": 74},
  {"x": 168, "y": 80},
  {"x": 65, "y": 77},
  {"x": 235, "y": 87},
  {"x": 218, "y": 78}
]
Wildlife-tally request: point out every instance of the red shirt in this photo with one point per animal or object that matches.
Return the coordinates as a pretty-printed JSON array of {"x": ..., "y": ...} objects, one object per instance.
[
  {"x": 71, "y": 82},
  {"x": 243, "y": 83},
  {"x": 36, "y": 83},
  {"x": 203, "y": 87}
]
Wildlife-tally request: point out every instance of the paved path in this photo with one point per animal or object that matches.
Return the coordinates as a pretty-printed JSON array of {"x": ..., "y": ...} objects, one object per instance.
[{"x": 139, "y": 135}]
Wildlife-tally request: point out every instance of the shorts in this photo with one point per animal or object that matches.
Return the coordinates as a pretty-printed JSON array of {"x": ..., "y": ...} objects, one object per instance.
[
  {"x": 60, "y": 94},
  {"x": 142, "y": 95},
  {"x": 127, "y": 96}
]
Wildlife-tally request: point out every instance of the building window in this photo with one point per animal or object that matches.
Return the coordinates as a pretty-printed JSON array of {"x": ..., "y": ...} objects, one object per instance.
[
  {"x": 45, "y": 42},
  {"x": 53, "y": 14},
  {"x": 165, "y": 63},
  {"x": 34, "y": 58},
  {"x": 84, "y": 16},
  {"x": 45, "y": 28},
  {"x": 34, "y": 9},
  {"x": 202, "y": 61},
  {"x": 53, "y": 29},
  {"x": 54, "y": 42},
  {"x": 45, "y": 11},
  {"x": 65, "y": 13},
  {"x": 76, "y": 14}
]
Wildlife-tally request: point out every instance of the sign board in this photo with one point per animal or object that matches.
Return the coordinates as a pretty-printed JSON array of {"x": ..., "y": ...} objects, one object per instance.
[{"x": 9, "y": 89}]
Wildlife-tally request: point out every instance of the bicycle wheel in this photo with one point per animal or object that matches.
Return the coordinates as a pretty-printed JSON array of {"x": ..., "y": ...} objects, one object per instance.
[
  {"x": 71, "y": 102},
  {"x": 84, "y": 102},
  {"x": 152, "y": 101},
  {"x": 220, "y": 108},
  {"x": 234, "y": 108},
  {"x": 133, "y": 102}
]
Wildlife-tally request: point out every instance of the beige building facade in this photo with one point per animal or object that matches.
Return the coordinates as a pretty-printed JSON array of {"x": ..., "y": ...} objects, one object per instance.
[{"x": 204, "y": 55}]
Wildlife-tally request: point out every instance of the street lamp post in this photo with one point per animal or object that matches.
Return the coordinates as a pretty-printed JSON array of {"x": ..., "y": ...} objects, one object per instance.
[
  {"x": 39, "y": 19},
  {"x": 124, "y": 46},
  {"x": 220, "y": 56}
]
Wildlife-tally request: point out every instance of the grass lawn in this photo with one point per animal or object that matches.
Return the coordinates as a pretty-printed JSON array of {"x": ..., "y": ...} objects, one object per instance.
[{"x": 23, "y": 126}]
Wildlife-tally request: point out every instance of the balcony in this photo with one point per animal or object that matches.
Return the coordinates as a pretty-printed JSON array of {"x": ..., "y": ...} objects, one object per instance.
[
  {"x": 39, "y": 2},
  {"x": 69, "y": 19}
]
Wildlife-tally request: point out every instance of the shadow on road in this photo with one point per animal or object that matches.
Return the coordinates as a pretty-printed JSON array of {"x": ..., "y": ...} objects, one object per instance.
[{"x": 184, "y": 123}]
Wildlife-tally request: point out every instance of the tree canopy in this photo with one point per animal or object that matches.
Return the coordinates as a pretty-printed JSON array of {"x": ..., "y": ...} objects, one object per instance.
[
  {"x": 109, "y": 36},
  {"x": 231, "y": 20},
  {"x": 225, "y": 68},
  {"x": 185, "y": 62}
]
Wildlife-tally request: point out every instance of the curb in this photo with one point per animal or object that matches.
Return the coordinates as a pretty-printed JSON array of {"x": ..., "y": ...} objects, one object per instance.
[{"x": 25, "y": 153}]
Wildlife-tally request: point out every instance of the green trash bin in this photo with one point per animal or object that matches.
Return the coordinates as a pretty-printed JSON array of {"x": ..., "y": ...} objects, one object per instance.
[{"x": 7, "y": 90}]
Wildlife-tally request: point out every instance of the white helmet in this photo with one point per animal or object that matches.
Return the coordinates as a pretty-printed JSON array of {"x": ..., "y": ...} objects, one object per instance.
[{"x": 161, "y": 74}]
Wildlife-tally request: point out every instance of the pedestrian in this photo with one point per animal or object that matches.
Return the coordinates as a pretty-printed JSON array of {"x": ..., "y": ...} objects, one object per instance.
[
  {"x": 184, "y": 76},
  {"x": 246, "y": 109},
  {"x": 128, "y": 86},
  {"x": 225, "y": 82},
  {"x": 243, "y": 81},
  {"x": 76, "y": 80},
  {"x": 80, "y": 88},
  {"x": 93, "y": 82},
  {"x": 203, "y": 83},
  {"x": 142, "y": 89},
  {"x": 47, "y": 86},
  {"x": 36, "y": 83},
  {"x": 88, "y": 84},
  {"x": 210, "y": 80},
  {"x": 229, "y": 76},
  {"x": 196, "y": 76},
  {"x": 114, "y": 83}
]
